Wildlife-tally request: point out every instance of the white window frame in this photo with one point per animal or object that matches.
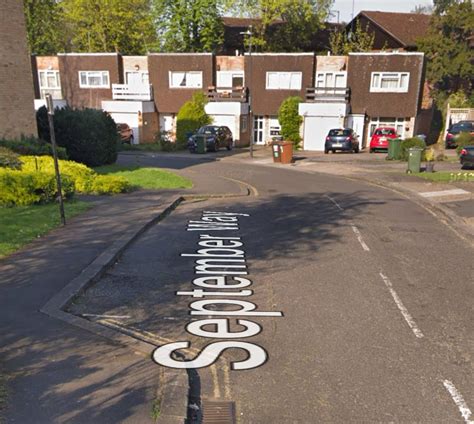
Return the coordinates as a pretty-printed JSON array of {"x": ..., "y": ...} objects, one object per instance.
[
  {"x": 144, "y": 76},
  {"x": 51, "y": 72},
  {"x": 89, "y": 74},
  {"x": 170, "y": 79},
  {"x": 321, "y": 77},
  {"x": 287, "y": 75},
  {"x": 398, "y": 123},
  {"x": 231, "y": 74},
  {"x": 376, "y": 82}
]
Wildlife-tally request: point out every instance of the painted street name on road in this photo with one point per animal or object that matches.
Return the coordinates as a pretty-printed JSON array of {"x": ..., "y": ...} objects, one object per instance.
[{"x": 220, "y": 263}]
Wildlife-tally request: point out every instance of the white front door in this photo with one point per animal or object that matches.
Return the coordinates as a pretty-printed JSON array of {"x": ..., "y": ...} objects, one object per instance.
[{"x": 258, "y": 130}]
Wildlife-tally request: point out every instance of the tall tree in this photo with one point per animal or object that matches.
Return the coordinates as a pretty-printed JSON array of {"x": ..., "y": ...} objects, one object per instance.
[
  {"x": 43, "y": 26},
  {"x": 358, "y": 40},
  {"x": 125, "y": 26},
  {"x": 426, "y": 9},
  {"x": 282, "y": 25},
  {"x": 188, "y": 25},
  {"x": 446, "y": 46}
]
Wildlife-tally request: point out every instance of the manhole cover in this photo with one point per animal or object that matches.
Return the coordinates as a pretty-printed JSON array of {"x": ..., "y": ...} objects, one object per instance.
[{"x": 218, "y": 412}]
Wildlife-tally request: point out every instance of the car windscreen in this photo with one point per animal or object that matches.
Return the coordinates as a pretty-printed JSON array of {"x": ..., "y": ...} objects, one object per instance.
[
  {"x": 462, "y": 127},
  {"x": 385, "y": 131},
  {"x": 339, "y": 133},
  {"x": 207, "y": 130}
]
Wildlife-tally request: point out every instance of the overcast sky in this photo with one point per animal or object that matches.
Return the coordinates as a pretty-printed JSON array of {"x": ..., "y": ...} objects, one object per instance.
[{"x": 345, "y": 6}]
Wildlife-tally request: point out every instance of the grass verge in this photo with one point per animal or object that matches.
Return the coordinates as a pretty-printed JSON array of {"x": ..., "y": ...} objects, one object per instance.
[
  {"x": 20, "y": 225},
  {"x": 446, "y": 177},
  {"x": 148, "y": 178}
]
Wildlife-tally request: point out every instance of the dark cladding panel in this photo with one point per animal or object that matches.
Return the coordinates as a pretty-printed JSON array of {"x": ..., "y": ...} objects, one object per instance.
[
  {"x": 69, "y": 67},
  {"x": 394, "y": 105},
  {"x": 170, "y": 100},
  {"x": 267, "y": 101}
]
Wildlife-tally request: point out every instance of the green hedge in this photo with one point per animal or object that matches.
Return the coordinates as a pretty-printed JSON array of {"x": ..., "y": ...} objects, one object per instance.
[
  {"x": 88, "y": 135},
  {"x": 85, "y": 179},
  {"x": 464, "y": 139},
  {"x": 9, "y": 159},
  {"x": 22, "y": 188},
  {"x": 32, "y": 146},
  {"x": 290, "y": 120},
  {"x": 411, "y": 142},
  {"x": 191, "y": 117}
]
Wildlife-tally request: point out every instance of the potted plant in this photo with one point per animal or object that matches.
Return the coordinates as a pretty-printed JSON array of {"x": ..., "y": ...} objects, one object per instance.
[{"x": 429, "y": 158}]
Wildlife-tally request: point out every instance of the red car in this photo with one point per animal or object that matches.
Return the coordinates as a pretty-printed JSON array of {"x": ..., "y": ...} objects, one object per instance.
[{"x": 380, "y": 138}]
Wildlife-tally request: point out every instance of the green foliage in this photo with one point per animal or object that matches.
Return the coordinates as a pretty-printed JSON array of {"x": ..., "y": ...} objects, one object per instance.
[
  {"x": 446, "y": 46},
  {"x": 464, "y": 139},
  {"x": 88, "y": 135},
  {"x": 9, "y": 159},
  {"x": 459, "y": 99},
  {"x": 22, "y": 188},
  {"x": 409, "y": 143},
  {"x": 359, "y": 40},
  {"x": 31, "y": 146},
  {"x": 164, "y": 142},
  {"x": 188, "y": 25},
  {"x": 290, "y": 120},
  {"x": 44, "y": 26},
  {"x": 124, "y": 26},
  {"x": 191, "y": 117},
  {"x": 85, "y": 179}
]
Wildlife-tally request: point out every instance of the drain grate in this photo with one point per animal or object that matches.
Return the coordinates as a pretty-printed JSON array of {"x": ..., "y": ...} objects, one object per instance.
[{"x": 218, "y": 412}]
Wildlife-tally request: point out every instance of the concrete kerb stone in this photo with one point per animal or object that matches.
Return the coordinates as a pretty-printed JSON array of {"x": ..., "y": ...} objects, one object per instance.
[{"x": 175, "y": 384}]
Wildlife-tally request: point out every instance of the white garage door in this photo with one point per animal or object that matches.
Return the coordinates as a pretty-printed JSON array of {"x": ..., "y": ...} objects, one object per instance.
[
  {"x": 128, "y": 118},
  {"x": 227, "y": 121},
  {"x": 316, "y": 129}
]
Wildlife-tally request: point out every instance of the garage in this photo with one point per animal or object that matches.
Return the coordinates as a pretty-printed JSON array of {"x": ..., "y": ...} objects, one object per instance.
[
  {"x": 318, "y": 119},
  {"x": 227, "y": 121}
]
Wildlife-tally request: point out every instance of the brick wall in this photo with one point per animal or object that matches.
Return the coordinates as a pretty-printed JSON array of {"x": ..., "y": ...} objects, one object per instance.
[{"x": 17, "y": 115}]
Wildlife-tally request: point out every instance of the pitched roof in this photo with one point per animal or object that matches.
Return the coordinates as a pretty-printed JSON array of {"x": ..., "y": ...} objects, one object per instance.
[{"x": 405, "y": 27}]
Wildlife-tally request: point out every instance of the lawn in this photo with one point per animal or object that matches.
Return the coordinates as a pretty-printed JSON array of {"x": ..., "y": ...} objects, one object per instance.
[
  {"x": 148, "y": 178},
  {"x": 22, "y": 224},
  {"x": 446, "y": 177}
]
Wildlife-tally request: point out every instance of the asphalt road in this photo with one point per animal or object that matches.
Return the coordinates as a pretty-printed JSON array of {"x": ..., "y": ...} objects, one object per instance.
[{"x": 376, "y": 296}]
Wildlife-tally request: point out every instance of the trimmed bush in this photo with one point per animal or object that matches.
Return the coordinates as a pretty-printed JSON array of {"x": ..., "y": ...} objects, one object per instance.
[
  {"x": 191, "y": 117},
  {"x": 22, "y": 188},
  {"x": 409, "y": 143},
  {"x": 88, "y": 135},
  {"x": 32, "y": 146},
  {"x": 9, "y": 159},
  {"x": 83, "y": 178},
  {"x": 464, "y": 139},
  {"x": 290, "y": 120}
]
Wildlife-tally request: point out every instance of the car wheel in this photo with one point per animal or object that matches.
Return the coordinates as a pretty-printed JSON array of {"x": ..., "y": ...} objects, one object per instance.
[
  {"x": 333, "y": 151},
  {"x": 356, "y": 150},
  {"x": 230, "y": 145},
  {"x": 326, "y": 151},
  {"x": 130, "y": 140},
  {"x": 371, "y": 150}
]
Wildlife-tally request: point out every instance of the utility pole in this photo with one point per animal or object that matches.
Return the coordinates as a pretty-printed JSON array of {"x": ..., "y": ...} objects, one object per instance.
[
  {"x": 250, "y": 126},
  {"x": 50, "y": 107}
]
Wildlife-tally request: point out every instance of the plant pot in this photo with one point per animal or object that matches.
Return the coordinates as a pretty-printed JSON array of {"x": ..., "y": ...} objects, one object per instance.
[{"x": 429, "y": 166}]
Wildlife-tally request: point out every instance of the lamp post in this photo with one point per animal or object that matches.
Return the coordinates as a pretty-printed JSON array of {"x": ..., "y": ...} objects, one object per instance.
[{"x": 250, "y": 124}]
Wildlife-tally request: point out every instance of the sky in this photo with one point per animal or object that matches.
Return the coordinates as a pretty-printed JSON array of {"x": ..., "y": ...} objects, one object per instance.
[{"x": 345, "y": 6}]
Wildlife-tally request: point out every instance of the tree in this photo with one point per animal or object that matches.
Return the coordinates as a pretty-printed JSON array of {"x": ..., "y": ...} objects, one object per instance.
[
  {"x": 342, "y": 43},
  {"x": 191, "y": 117},
  {"x": 425, "y": 9},
  {"x": 446, "y": 46},
  {"x": 43, "y": 26},
  {"x": 282, "y": 25},
  {"x": 124, "y": 26},
  {"x": 188, "y": 25},
  {"x": 290, "y": 120}
]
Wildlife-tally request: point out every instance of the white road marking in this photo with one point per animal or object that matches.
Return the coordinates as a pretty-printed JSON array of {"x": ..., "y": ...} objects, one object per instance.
[
  {"x": 359, "y": 237},
  {"x": 333, "y": 201},
  {"x": 459, "y": 401},
  {"x": 408, "y": 318},
  {"x": 107, "y": 316},
  {"x": 453, "y": 192}
]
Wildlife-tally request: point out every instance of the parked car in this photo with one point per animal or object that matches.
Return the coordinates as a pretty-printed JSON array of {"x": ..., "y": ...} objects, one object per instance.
[
  {"x": 343, "y": 139},
  {"x": 215, "y": 137},
  {"x": 380, "y": 138},
  {"x": 456, "y": 129},
  {"x": 466, "y": 157},
  {"x": 125, "y": 133}
]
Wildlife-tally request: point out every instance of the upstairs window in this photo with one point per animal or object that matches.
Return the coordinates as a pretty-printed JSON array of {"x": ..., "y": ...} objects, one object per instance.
[
  {"x": 49, "y": 79},
  {"x": 230, "y": 79},
  {"x": 94, "y": 79},
  {"x": 389, "y": 82},
  {"x": 284, "y": 80},
  {"x": 331, "y": 79},
  {"x": 190, "y": 79}
]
